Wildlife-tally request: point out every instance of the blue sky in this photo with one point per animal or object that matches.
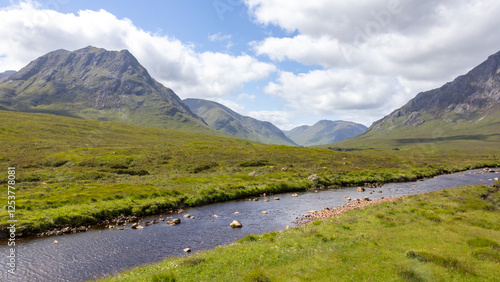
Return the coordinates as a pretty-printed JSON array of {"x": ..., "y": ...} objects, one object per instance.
[{"x": 290, "y": 62}]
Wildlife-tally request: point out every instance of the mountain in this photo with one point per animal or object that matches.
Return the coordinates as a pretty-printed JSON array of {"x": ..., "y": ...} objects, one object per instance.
[
  {"x": 222, "y": 118},
  {"x": 467, "y": 108},
  {"x": 93, "y": 83},
  {"x": 5, "y": 74},
  {"x": 325, "y": 132}
]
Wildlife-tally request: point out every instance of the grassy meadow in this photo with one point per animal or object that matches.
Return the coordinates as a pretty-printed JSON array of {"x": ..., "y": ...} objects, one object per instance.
[
  {"x": 450, "y": 235},
  {"x": 73, "y": 172}
]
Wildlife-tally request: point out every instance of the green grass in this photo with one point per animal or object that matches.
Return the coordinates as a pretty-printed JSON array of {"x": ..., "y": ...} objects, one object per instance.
[
  {"x": 395, "y": 241},
  {"x": 73, "y": 172}
]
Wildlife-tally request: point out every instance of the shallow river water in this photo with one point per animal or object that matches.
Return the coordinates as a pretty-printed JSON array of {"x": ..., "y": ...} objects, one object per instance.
[{"x": 100, "y": 252}]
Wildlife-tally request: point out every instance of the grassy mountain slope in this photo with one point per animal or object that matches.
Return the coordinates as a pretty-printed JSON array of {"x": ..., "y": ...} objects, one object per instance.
[
  {"x": 465, "y": 112},
  {"x": 93, "y": 83},
  {"x": 325, "y": 132},
  {"x": 73, "y": 172},
  {"x": 222, "y": 118}
]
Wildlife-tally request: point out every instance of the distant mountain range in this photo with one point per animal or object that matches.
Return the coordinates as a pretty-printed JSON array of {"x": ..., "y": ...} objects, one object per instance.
[
  {"x": 468, "y": 108},
  {"x": 5, "y": 74},
  {"x": 325, "y": 132},
  {"x": 92, "y": 83},
  {"x": 220, "y": 117}
]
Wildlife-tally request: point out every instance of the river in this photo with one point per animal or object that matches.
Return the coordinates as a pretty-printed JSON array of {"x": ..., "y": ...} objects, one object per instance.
[{"x": 99, "y": 252}]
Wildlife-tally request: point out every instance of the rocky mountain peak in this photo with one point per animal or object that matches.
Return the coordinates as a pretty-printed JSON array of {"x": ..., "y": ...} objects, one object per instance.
[
  {"x": 469, "y": 97},
  {"x": 94, "y": 83}
]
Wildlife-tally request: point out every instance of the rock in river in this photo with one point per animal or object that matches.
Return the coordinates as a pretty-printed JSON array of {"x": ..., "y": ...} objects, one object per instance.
[
  {"x": 236, "y": 224},
  {"x": 174, "y": 221}
]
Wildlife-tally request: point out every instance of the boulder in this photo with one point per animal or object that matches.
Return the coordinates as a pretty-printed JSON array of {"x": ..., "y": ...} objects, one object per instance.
[
  {"x": 361, "y": 189},
  {"x": 276, "y": 199},
  {"x": 187, "y": 215},
  {"x": 55, "y": 242},
  {"x": 236, "y": 224},
  {"x": 140, "y": 227},
  {"x": 264, "y": 212},
  {"x": 81, "y": 229},
  {"x": 187, "y": 250},
  {"x": 66, "y": 230},
  {"x": 366, "y": 199},
  {"x": 147, "y": 223},
  {"x": 174, "y": 221},
  {"x": 288, "y": 227},
  {"x": 134, "y": 226},
  {"x": 314, "y": 178},
  {"x": 294, "y": 195},
  {"x": 236, "y": 213},
  {"x": 155, "y": 221}
]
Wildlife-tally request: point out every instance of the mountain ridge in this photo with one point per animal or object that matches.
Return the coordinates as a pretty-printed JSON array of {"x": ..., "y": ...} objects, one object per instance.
[
  {"x": 468, "y": 97},
  {"x": 466, "y": 109},
  {"x": 6, "y": 74},
  {"x": 325, "y": 132},
  {"x": 222, "y": 118},
  {"x": 93, "y": 83}
]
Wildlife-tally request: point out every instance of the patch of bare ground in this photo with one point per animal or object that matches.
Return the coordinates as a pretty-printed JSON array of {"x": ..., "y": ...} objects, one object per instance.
[{"x": 340, "y": 210}]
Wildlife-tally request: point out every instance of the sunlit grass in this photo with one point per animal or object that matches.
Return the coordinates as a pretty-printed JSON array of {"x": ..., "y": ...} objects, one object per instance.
[{"x": 97, "y": 170}]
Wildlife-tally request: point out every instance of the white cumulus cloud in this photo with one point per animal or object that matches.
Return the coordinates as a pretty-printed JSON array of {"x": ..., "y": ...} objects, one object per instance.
[{"x": 372, "y": 53}]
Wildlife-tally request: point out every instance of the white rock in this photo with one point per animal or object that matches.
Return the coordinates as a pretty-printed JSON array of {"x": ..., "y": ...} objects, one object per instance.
[{"x": 236, "y": 224}]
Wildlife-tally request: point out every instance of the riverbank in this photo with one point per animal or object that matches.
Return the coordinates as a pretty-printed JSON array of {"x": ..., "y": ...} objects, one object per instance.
[
  {"x": 446, "y": 235},
  {"x": 80, "y": 218},
  {"x": 327, "y": 213}
]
